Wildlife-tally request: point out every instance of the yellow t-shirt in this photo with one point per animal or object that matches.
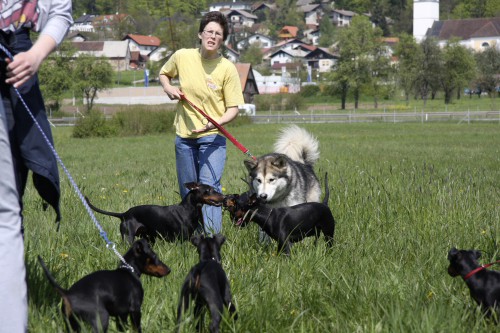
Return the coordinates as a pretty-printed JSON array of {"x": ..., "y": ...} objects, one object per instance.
[{"x": 212, "y": 85}]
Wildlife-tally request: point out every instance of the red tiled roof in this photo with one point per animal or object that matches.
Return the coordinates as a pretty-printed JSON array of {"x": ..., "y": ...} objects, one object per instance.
[
  {"x": 144, "y": 40},
  {"x": 243, "y": 72},
  {"x": 289, "y": 30}
]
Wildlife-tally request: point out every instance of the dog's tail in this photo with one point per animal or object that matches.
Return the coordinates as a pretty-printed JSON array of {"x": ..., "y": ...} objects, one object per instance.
[
  {"x": 298, "y": 144},
  {"x": 60, "y": 290},
  {"x": 94, "y": 208},
  {"x": 51, "y": 279},
  {"x": 327, "y": 190},
  {"x": 183, "y": 301}
]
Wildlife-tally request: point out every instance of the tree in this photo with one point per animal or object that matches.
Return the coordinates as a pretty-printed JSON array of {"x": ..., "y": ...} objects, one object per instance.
[
  {"x": 56, "y": 75},
  {"x": 409, "y": 54},
  {"x": 379, "y": 12},
  {"x": 93, "y": 74},
  {"x": 327, "y": 32},
  {"x": 458, "y": 68},
  {"x": 253, "y": 54},
  {"x": 357, "y": 44},
  {"x": 488, "y": 64},
  {"x": 429, "y": 69},
  {"x": 381, "y": 72},
  {"x": 341, "y": 80}
]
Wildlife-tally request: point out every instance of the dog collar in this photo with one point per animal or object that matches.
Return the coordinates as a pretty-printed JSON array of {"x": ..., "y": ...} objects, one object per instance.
[{"x": 480, "y": 268}]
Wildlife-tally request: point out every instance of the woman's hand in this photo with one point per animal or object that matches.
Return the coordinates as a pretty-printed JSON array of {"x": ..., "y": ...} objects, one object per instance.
[
  {"x": 22, "y": 68},
  {"x": 173, "y": 92},
  {"x": 209, "y": 126}
]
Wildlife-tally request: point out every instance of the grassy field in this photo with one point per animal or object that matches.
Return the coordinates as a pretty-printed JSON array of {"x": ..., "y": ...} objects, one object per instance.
[{"x": 402, "y": 195}]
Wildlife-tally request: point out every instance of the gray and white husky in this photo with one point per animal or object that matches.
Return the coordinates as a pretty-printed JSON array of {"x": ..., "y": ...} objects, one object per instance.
[{"x": 286, "y": 177}]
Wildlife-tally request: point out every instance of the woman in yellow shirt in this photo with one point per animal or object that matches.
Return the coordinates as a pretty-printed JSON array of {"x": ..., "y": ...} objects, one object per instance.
[{"x": 211, "y": 82}]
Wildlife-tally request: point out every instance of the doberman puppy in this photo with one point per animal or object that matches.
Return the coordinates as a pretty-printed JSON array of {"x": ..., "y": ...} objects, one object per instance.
[
  {"x": 484, "y": 285},
  {"x": 117, "y": 293},
  {"x": 284, "y": 224},
  {"x": 207, "y": 284},
  {"x": 170, "y": 222}
]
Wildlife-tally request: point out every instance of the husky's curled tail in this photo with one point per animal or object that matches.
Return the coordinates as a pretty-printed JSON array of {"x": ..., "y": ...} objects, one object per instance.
[{"x": 298, "y": 144}]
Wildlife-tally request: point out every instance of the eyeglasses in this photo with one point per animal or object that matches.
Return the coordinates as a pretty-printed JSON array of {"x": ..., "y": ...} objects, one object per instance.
[{"x": 211, "y": 33}]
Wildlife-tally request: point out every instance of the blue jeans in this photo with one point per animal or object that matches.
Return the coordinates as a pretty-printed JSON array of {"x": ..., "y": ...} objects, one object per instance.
[
  {"x": 13, "y": 290},
  {"x": 202, "y": 160}
]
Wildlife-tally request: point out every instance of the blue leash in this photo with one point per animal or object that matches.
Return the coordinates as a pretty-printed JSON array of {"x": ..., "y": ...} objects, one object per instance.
[{"x": 109, "y": 244}]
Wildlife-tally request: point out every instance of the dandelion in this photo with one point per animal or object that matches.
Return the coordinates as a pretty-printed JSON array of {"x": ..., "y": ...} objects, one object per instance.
[
  {"x": 125, "y": 191},
  {"x": 430, "y": 295},
  {"x": 64, "y": 255},
  {"x": 223, "y": 189},
  {"x": 483, "y": 232}
]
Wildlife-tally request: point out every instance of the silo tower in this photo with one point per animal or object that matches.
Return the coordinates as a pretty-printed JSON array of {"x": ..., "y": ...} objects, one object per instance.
[{"x": 425, "y": 12}]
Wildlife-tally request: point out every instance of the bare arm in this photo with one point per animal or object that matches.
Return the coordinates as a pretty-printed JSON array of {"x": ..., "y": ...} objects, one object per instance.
[
  {"x": 172, "y": 92},
  {"x": 227, "y": 117}
]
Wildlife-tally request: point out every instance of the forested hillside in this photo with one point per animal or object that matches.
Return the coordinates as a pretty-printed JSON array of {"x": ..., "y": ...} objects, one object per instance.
[{"x": 149, "y": 12}]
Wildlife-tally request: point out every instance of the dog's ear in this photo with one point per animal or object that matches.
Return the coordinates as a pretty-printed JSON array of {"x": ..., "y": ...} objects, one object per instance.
[
  {"x": 196, "y": 239},
  {"x": 279, "y": 162},
  {"x": 452, "y": 253},
  {"x": 192, "y": 186},
  {"x": 219, "y": 239},
  {"x": 476, "y": 253},
  {"x": 250, "y": 164},
  {"x": 139, "y": 246}
]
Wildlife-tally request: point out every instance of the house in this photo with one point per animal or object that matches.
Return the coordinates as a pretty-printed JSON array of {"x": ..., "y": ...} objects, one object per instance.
[
  {"x": 283, "y": 57},
  {"x": 158, "y": 54},
  {"x": 312, "y": 36},
  {"x": 110, "y": 22},
  {"x": 321, "y": 60},
  {"x": 342, "y": 18},
  {"x": 232, "y": 55},
  {"x": 260, "y": 9},
  {"x": 83, "y": 24},
  {"x": 288, "y": 32},
  {"x": 274, "y": 84},
  {"x": 301, "y": 3},
  {"x": 117, "y": 52},
  {"x": 312, "y": 14},
  {"x": 248, "y": 82},
  {"x": 239, "y": 17},
  {"x": 143, "y": 44},
  {"x": 220, "y": 6},
  {"x": 476, "y": 34},
  {"x": 258, "y": 39},
  {"x": 75, "y": 36}
]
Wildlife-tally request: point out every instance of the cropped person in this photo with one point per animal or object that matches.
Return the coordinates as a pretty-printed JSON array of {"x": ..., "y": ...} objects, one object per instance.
[
  {"x": 211, "y": 82},
  {"x": 22, "y": 147}
]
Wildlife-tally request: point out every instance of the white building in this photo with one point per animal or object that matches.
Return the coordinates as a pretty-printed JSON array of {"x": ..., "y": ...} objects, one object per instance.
[{"x": 425, "y": 12}]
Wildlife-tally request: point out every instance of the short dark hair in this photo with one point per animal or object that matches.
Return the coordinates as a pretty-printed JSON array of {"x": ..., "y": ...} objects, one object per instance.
[{"x": 216, "y": 17}]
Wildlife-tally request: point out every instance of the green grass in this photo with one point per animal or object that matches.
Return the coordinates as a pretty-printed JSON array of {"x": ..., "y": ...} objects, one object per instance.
[{"x": 402, "y": 195}]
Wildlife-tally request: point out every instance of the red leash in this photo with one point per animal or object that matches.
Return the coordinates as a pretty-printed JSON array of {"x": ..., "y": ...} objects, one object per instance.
[
  {"x": 480, "y": 268},
  {"x": 220, "y": 128}
]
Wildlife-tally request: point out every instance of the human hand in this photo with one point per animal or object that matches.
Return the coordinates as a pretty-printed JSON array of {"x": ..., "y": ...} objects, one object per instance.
[
  {"x": 173, "y": 92},
  {"x": 22, "y": 67},
  {"x": 209, "y": 126}
]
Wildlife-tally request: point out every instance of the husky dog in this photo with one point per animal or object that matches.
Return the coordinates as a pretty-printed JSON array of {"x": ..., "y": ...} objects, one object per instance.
[{"x": 286, "y": 177}]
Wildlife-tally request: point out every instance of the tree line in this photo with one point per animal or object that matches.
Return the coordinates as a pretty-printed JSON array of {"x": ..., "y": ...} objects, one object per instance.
[
  {"x": 84, "y": 76},
  {"x": 167, "y": 18},
  {"x": 419, "y": 70}
]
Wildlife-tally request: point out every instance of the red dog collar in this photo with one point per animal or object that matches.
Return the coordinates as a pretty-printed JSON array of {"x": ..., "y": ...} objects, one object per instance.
[{"x": 480, "y": 268}]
